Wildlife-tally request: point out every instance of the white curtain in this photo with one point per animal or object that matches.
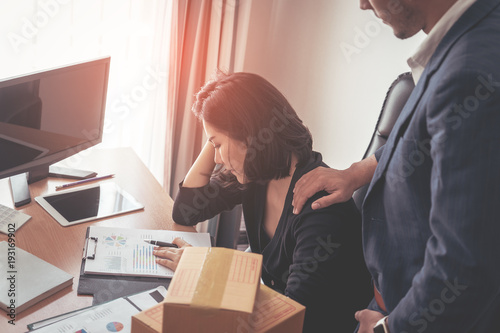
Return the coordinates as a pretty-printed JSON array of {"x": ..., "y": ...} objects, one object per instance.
[
  {"x": 203, "y": 39},
  {"x": 41, "y": 34}
]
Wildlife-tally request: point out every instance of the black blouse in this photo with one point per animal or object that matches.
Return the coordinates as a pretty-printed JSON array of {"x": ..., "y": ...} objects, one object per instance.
[{"x": 315, "y": 257}]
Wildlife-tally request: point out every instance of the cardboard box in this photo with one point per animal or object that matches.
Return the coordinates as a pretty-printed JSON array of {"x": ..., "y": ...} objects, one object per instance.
[
  {"x": 274, "y": 313},
  {"x": 148, "y": 321},
  {"x": 212, "y": 289},
  {"x": 218, "y": 290}
]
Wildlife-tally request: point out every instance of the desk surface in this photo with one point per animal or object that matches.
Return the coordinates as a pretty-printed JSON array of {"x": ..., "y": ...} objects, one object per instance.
[{"x": 62, "y": 246}]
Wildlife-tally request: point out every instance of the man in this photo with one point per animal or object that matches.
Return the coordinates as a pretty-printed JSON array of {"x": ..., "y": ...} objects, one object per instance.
[{"x": 431, "y": 216}]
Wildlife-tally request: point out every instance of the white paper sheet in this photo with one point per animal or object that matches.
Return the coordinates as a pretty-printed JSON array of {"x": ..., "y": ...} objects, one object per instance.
[
  {"x": 121, "y": 251},
  {"x": 114, "y": 316}
]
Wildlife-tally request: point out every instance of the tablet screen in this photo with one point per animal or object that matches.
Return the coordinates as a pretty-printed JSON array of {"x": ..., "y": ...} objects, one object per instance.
[{"x": 89, "y": 203}]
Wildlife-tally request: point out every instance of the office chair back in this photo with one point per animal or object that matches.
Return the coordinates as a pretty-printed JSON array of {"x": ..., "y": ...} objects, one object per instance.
[{"x": 395, "y": 100}]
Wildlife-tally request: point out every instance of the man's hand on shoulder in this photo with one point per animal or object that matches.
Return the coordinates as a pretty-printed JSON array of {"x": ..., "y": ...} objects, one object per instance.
[
  {"x": 335, "y": 182},
  {"x": 340, "y": 184}
]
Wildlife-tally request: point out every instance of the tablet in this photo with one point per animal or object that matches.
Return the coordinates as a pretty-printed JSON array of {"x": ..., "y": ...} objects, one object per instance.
[{"x": 88, "y": 203}]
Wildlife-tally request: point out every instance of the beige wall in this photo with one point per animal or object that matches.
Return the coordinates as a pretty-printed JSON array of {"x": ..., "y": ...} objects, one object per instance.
[{"x": 333, "y": 75}]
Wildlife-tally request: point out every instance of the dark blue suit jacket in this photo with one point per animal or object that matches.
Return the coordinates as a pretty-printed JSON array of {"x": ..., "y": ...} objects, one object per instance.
[{"x": 431, "y": 216}]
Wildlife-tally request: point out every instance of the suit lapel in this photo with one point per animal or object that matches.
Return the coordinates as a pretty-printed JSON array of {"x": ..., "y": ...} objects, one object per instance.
[{"x": 472, "y": 16}]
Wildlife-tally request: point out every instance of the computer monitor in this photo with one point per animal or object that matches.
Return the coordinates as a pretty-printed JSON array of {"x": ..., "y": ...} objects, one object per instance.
[{"x": 47, "y": 116}]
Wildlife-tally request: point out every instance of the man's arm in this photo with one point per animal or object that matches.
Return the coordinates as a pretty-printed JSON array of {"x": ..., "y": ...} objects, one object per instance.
[{"x": 341, "y": 184}]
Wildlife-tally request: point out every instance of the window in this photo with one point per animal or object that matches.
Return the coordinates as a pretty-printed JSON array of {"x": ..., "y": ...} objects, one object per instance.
[{"x": 40, "y": 34}]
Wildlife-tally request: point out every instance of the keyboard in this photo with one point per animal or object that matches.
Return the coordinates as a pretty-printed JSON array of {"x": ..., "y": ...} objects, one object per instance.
[{"x": 11, "y": 219}]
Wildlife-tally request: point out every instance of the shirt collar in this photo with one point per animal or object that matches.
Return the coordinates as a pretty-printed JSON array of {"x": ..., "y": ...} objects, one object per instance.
[{"x": 421, "y": 57}]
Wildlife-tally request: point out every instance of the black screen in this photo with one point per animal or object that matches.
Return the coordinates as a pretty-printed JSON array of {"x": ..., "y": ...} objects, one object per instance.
[{"x": 17, "y": 153}]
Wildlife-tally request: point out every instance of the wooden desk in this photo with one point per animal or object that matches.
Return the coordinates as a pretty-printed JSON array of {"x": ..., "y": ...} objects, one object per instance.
[{"x": 62, "y": 246}]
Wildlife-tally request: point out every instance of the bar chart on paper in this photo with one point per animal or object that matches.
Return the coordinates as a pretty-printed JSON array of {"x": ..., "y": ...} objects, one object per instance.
[
  {"x": 122, "y": 251},
  {"x": 144, "y": 260}
]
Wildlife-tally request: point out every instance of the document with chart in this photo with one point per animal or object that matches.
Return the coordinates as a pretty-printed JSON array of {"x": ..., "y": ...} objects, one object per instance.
[
  {"x": 122, "y": 251},
  {"x": 113, "y": 316}
]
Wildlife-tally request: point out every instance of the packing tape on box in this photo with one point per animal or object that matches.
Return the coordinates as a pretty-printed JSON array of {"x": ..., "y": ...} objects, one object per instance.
[{"x": 212, "y": 282}]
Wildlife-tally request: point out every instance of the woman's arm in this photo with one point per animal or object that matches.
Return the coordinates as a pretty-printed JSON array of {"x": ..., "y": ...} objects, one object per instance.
[
  {"x": 197, "y": 177},
  {"x": 328, "y": 274},
  {"x": 201, "y": 170},
  {"x": 200, "y": 197}
]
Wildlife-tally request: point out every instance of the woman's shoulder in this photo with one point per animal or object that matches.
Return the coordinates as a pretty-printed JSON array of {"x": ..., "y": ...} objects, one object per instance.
[
  {"x": 348, "y": 207},
  {"x": 345, "y": 209}
]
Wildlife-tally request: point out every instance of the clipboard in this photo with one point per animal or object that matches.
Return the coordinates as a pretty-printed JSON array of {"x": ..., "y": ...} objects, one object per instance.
[
  {"x": 105, "y": 288},
  {"x": 110, "y": 284}
]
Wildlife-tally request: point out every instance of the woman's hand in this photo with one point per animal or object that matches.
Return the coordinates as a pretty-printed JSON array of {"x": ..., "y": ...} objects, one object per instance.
[{"x": 170, "y": 256}]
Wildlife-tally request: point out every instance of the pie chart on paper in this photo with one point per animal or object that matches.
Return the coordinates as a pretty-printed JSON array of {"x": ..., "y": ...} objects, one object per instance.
[
  {"x": 114, "y": 326},
  {"x": 116, "y": 241}
]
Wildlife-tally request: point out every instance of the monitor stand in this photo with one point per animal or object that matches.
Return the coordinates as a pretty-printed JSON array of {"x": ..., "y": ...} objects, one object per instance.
[{"x": 19, "y": 184}]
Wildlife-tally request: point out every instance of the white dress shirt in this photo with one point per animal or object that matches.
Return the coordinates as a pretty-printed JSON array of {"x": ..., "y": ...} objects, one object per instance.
[{"x": 421, "y": 57}]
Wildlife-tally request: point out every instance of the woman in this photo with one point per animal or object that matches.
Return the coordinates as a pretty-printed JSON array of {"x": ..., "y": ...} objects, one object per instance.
[{"x": 254, "y": 134}]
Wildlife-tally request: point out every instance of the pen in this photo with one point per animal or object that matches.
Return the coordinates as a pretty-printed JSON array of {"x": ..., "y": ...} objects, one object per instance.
[
  {"x": 160, "y": 243},
  {"x": 83, "y": 181}
]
